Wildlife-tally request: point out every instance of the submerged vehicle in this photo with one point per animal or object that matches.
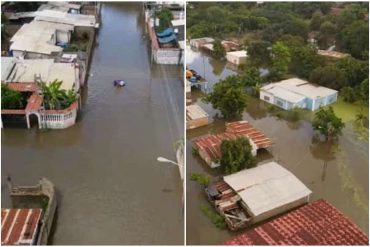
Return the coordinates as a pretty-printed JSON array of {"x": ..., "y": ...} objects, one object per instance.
[{"x": 119, "y": 83}]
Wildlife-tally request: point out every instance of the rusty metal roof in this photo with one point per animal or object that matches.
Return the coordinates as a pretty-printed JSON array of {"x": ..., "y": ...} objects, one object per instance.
[
  {"x": 246, "y": 129},
  {"x": 19, "y": 226},
  {"x": 212, "y": 143},
  {"x": 317, "y": 223}
]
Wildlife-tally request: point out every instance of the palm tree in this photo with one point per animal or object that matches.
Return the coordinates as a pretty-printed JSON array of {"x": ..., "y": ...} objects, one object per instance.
[{"x": 56, "y": 98}]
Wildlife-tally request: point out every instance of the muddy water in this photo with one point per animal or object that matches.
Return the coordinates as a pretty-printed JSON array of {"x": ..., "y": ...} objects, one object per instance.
[
  {"x": 111, "y": 189},
  {"x": 337, "y": 173}
]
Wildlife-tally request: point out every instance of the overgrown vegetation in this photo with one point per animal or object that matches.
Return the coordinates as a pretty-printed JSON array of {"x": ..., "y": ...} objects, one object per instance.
[
  {"x": 201, "y": 179},
  {"x": 236, "y": 155},
  {"x": 217, "y": 219},
  {"x": 11, "y": 99},
  {"x": 56, "y": 98}
]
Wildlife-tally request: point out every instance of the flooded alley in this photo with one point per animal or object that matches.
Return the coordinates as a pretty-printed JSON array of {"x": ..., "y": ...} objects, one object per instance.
[
  {"x": 337, "y": 173},
  {"x": 110, "y": 187}
]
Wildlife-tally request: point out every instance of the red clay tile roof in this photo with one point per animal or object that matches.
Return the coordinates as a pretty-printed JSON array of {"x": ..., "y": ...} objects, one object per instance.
[
  {"x": 19, "y": 226},
  {"x": 24, "y": 86},
  {"x": 34, "y": 103},
  {"x": 211, "y": 144},
  {"x": 317, "y": 223}
]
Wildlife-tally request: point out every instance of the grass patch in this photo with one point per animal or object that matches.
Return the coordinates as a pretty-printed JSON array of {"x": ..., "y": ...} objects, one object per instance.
[
  {"x": 200, "y": 179},
  {"x": 347, "y": 111}
]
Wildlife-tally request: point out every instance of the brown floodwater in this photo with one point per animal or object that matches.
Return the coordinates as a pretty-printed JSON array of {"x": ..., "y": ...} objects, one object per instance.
[
  {"x": 338, "y": 173},
  {"x": 111, "y": 189}
]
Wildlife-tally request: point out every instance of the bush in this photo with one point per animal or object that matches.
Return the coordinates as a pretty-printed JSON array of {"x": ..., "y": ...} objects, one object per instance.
[
  {"x": 217, "y": 220},
  {"x": 348, "y": 94},
  {"x": 200, "y": 179}
]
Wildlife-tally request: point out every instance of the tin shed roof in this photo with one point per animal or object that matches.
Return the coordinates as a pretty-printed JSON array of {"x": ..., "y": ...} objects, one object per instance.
[
  {"x": 267, "y": 187},
  {"x": 317, "y": 223},
  {"x": 19, "y": 226}
]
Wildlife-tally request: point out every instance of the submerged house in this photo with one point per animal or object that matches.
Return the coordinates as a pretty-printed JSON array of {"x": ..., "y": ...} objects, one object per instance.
[
  {"x": 256, "y": 194},
  {"x": 209, "y": 147},
  {"x": 297, "y": 93},
  {"x": 317, "y": 223},
  {"x": 237, "y": 57}
]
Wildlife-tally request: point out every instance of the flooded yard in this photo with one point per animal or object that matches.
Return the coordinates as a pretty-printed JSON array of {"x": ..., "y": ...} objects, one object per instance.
[{"x": 336, "y": 172}]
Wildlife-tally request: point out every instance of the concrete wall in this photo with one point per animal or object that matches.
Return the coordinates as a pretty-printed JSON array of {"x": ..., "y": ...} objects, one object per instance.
[
  {"x": 167, "y": 56},
  {"x": 63, "y": 37}
]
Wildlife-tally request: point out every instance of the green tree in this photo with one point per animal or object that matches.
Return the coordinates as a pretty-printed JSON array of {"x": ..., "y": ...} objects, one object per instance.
[
  {"x": 327, "y": 123},
  {"x": 250, "y": 77},
  {"x": 259, "y": 52},
  {"x": 355, "y": 70},
  {"x": 218, "y": 50},
  {"x": 326, "y": 36},
  {"x": 304, "y": 60},
  {"x": 165, "y": 17},
  {"x": 316, "y": 20},
  {"x": 236, "y": 155},
  {"x": 348, "y": 94},
  {"x": 329, "y": 76},
  {"x": 10, "y": 99},
  {"x": 364, "y": 91},
  {"x": 280, "y": 58},
  {"x": 228, "y": 97},
  {"x": 355, "y": 39}
]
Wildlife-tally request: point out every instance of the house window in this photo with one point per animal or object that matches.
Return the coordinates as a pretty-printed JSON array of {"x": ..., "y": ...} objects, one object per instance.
[
  {"x": 280, "y": 103},
  {"x": 267, "y": 98}
]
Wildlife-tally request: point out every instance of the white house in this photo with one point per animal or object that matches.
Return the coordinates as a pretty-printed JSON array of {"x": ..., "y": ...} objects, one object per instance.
[{"x": 297, "y": 93}]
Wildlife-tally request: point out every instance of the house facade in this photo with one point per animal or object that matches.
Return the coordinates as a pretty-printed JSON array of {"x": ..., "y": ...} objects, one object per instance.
[{"x": 297, "y": 93}]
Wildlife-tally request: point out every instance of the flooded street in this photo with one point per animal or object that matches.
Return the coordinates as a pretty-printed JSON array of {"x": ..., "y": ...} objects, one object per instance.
[
  {"x": 336, "y": 173},
  {"x": 111, "y": 189}
]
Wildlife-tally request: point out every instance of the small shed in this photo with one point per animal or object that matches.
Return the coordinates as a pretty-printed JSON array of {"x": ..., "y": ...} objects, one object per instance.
[
  {"x": 268, "y": 190},
  {"x": 197, "y": 43},
  {"x": 237, "y": 57},
  {"x": 196, "y": 117}
]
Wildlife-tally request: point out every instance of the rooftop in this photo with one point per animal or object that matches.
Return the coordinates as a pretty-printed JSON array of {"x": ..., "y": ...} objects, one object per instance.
[
  {"x": 65, "y": 18},
  {"x": 296, "y": 89},
  {"x": 332, "y": 54},
  {"x": 38, "y": 37},
  {"x": 211, "y": 143},
  {"x": 242, "y": 53},
  {"x": 317, "y": 223},
  {"x": 19, "y": 226},
  {"x": 179, "y": 22},
  {"x": 33, "y": 70},
  {"x": 266, "y": 187},
  {"x": 59, "y": 6},
  {"x": 195, "y": 112}
]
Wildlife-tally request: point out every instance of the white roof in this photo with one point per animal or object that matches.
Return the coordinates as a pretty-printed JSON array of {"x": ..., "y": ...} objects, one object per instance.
[
  {"x": 65, "y": 18},
  {"x": 179, "y": 22},
  {"x": 208, "y": 46},
  {"x": 288, "y": 89},
  {"x": 32, "y": 70},
  {"x": 7, "y": 64},
  {"x": 195, "y": 112},
  {"x": 38, "y": 37},
  {"x": 205, "y": 39},
  {"x": 60, "y": 6},
  {"x": 267, "y": 187},
  {"x": 239, "y": 54}
]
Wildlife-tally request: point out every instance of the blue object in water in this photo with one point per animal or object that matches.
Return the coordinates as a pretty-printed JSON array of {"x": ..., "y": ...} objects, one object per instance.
[
  {"x": 119, "y": 83},
  {"x": 165, "y": 33},
  {"x": 168, "y": 39}
]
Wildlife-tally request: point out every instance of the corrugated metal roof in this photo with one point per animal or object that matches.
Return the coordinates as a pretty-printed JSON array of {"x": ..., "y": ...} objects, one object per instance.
[
  {"x": 211, "y": 144},
  {"x": 317, "y": 223},
  {"x": 19, "y": 226},
  {"x": 267, "y": 187}
]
